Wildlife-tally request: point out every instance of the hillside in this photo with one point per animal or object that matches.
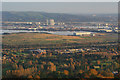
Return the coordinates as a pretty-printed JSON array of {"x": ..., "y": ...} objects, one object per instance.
[{"x": 42, "y": 16}]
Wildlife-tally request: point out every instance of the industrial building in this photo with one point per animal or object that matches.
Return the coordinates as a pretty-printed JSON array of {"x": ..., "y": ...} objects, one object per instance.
[
  {"x": 83, "y": 34},
  {"x": 52, "y": 22},
  {"x": 47, "y": 22},
  {"x": 105, "y": 30}
]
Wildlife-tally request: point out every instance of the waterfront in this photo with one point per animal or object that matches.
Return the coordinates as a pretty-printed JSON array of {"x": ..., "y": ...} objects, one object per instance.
[{"x": 52, "y": 32}]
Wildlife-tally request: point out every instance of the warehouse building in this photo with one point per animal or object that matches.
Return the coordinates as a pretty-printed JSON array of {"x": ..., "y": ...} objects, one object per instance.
[{"x": 83, "y": 34}]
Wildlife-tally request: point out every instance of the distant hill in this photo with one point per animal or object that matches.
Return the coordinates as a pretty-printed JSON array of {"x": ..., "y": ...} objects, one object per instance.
[{"x": 42, "y": 16}]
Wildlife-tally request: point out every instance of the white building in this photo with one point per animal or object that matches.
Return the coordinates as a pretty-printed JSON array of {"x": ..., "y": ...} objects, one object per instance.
[
  {"x": 108, "y": 30},
  {"x": 105, "y": 30},
  {"x": 83, "y": 34}
]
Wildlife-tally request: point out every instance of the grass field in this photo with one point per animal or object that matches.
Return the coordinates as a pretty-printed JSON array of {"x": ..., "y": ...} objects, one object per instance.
[{"x": 17, "y": 39}]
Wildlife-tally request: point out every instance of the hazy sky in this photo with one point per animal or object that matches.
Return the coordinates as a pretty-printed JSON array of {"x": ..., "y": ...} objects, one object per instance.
[
  {"x": 63, "y": 7},
  {"x": 60, "y": 0}
]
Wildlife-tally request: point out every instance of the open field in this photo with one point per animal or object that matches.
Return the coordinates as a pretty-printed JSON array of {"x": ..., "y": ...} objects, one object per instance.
[{"x": 29, "y": 39}]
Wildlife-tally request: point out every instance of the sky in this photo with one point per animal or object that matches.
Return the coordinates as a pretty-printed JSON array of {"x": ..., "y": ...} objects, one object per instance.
[
  {"x": 60, "y": 0},
  {"x": 63, "y": 7}
]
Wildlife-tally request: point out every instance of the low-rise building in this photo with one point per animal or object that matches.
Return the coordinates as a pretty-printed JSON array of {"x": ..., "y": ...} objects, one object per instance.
[{"x": 83, "y": 34}]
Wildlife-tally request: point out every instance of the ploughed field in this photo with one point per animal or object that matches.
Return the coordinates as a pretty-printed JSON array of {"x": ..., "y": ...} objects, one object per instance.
[{"x": 39, "y": 39}]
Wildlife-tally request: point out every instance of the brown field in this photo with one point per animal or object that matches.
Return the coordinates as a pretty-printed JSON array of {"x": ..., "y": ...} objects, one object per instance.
[
  {"x": 41, "y": 39},
  {"x": 51, "y": 39}
]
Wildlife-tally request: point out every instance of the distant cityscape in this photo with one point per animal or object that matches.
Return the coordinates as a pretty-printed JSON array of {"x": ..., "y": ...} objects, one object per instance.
[{"x": 51, "y": 25}]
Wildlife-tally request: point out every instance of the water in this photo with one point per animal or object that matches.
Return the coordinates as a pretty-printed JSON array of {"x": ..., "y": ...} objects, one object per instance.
[{"x": 52, "y": 32}]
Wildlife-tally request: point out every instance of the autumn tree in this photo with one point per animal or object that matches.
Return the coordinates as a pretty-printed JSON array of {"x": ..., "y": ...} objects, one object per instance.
[
  {"x": 66, "y": 72},
  {"x": 93, "y": 72}
]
